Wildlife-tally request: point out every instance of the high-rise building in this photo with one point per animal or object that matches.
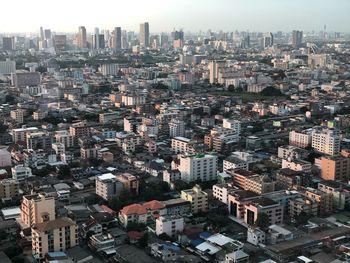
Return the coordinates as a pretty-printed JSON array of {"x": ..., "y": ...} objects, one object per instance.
[
  {"x": 214, "y": 68},
  {"x": 81, "y": 38},
  {"x": 47, "y": 33},
  {"x": 53, "y": 236},
  {"x": 117, "y": 38},
  {"x": 197, "y": 198},
  {"x": 200, "y": 167},
  {"x": 176, "y": 128},
  {"x": 101, "y": 40},
  {"x": 9, "y": 188},
  {"x": 8, "y": 43},
  {"x": 7, "y": 67},
  {"x": 177, "y": 35},
  {"x": 36, "y": 209},
  {"x": 326, "y": 141},
  {"x": 144, "y": 34},
  {"x": 41, "y": 36},
  {"x": 267, "y": 40},
  {"x": 297, "y": 38},
  {"x": 335, "y": 168},
  {"x": 97, "y": 34},
  {"x": 60, "y": 42}
]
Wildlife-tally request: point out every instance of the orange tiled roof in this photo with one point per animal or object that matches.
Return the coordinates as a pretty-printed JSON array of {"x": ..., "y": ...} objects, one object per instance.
[{"x": 142, "y": 209}]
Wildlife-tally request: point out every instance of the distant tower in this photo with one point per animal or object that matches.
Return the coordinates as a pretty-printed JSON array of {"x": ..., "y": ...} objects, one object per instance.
[
  {"x": 41, "y": 33},
  {"x": 297, "y": 38},
  {"x": 267, "y": 40},
  {"x": 81, "y": 41},
  {"x": 96, "y": 38},
  {"x": 117, "y": 38},
  {"x": 144, "y": 35}
]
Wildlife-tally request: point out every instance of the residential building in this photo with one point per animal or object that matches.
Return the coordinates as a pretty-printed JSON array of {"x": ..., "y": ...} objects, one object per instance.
[
  {"x": 169, "y": 225},
  {"x": 130, "y": 183},
  {"x": 177, "y": 207},
  {"x": 21, "y": 172},
  {"x": 197, "y": 198},
  {"x": 53, "y": 236},
  {"x": 335, "y": 168},
  {"x": 265, "y": 205},
  {"x": 107, "y": 186},
  {"x": 141, "y": 213},
  {"x": 297, "y": 165},
  {"x": 301, "y": 139},
  {"x": 306, "y": 205},
  {"x": 9, "y": 188},
  {"x": 323, "y": 200},
  {"x": 176, "y": 128},
  {"x": 201, "y": 167},
  {"x": 37, "y": 208},
  {"x": 326, "y": 141}
]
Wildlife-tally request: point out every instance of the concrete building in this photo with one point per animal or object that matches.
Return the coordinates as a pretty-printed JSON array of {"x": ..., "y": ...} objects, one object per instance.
[
  {"x": 5, "y": 157},
  {"x": 323, "y": 200},
  {"x": 260, "y": 184},
  {"x": 65, "y": 138},
  {"x": 39, "y": 140},
  {"x": 214, "y": 70},
  {"x": 170, "y": 225},
  {"x": 255, "y": 236},
  {"x": 141, "y": 213},
  {"x": 144, "y": 35},
  {"x": 177, "y": 207},
  {"x": 81, "y": 38},
  {"x": 7, "y": 67},
  {"x": 20, "y": 134},
  {"x": 53, "y": 236},
  {"x": 21, "y": 172},
  {"x": 201, "y": 167},
  {"x": 335, "y": 168},
  {"x": 197, "y": 198},
  {"x": 130, "y": 183},
  {"x": 221, "y": 191},
  {"x": 102, "y": 242},
  {"x": 326, "y": 141},
  {"x": 301, "y": 139},
  {"x": 297, "y": 38},
  {"x": 9, "y": 188},
  {"x": 297, "y": 165},
  {"x": 292, "y": 152},
  {"x": 176, "y": 128},
  {"x": 36, "y": 209},
  {"x": 180, "y": 144},
  {"x": 273, "y": 209},
  {"x": 107, "y": 186},
  {"x": 17, "y": 115},
  {"x": 298, "y": 205}
]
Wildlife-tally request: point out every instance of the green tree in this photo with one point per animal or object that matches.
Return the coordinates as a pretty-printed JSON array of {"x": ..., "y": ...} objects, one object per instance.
[
  {"x": 64, "y": 172},
  {"x": 143, "y": 240},
  {"x": 262, "y": 220},
  {"x": 302, "y": 218},
  {"x": 10, "y": 99},
  {"x": 271, "y": 92},
  {"x": 231, "y": 88},
  {"x": 13, "y": 251}
]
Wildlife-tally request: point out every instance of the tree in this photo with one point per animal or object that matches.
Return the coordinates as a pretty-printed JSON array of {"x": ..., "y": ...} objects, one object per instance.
[
  {"x": 3, "y": 128},
  {"x": 262, "y": 220},
  {"x": 271, "y": 92},
  {"x": 231, "y": 88},
  {"x": 10, "y": 99},
  {"x": 64, "y": 172},
  {"x": 3, "y": 235},
  {"x": 302, "y": 218},
  {"x": 143, "y": 241},
  {"x": 13, "y": 251},
  {"x": 304, "y": 109}
]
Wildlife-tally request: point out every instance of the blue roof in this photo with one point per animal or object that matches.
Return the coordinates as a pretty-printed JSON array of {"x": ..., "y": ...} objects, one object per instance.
[
  {"x": 196, "y": 242},
  {"x": 171, "y": 247},
  {"x": 56, "y": 254},
  {"x": 205, "y": 234}
]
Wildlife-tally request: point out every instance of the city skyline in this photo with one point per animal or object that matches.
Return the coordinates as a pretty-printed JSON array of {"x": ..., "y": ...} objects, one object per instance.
[{"x": 163, "y": 16}]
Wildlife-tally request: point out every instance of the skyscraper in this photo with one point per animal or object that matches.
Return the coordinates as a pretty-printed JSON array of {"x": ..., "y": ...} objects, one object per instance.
[
  {"x": 41, "y": 33},
  {"x": 144, "y": 35},
  {"x": 267, "y": 40},
  {"x": 81, "y": 40},
  {"x": 297, "y": 38},
  {"x": 117, "y": 38},
  {"x": 8, "y": 43},
  {"x": 96, "y": 38}
]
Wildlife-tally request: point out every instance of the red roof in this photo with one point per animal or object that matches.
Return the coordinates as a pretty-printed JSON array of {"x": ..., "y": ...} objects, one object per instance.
[
  {"x": 142, "y": 209},
  {"x": 107, "y": 209}
]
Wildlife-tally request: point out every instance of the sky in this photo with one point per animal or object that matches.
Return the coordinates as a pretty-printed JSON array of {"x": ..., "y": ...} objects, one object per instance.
[{"x": 165, "y": 15}]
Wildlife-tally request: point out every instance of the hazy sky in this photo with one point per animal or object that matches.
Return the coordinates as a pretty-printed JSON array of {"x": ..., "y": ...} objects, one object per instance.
[{"x": 164, "y": 15}]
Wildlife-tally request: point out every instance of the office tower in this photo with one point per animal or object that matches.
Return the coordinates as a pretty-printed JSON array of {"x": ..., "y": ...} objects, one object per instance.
[
  {"x": 7, "y": 67},
  {"x": 117, "y": 38},
  {"x": 176, "y": 128},
  {"x": 144, "y": 35},
  {"x": 214, "y": 69},
  {"x": 41, "y": 37},
  {"x": 60, "y": 42},
  {"x": 125, "y": 44},
  {"x": 164, "y": 41},
  {"x": 177, "y": 35},
  {"x": 297, "y": 38},
  {"x": 81, "y": 38},
  {"x": 8, "y": 43},
  {"x": 47, "y": 34},
  {"x": 267, "y": 40},
  {"x": 101, "y": 40},
  {"x": 96, "y": 39}
]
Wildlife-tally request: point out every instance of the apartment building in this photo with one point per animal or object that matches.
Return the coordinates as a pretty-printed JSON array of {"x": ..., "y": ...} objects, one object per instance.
[
  {"x": 169, "y": 225},
  {"x": 326, "y": 141},
  {"x": 53, "y": 236},
  {"x": 21, "y": 172},
  {"x": 180, "y": 144},
  {"x": 197, "y": 198},
  {"x": 107, "y": 186},
  {"x": 9, "y": 188},
  {"x": 334, "y": 168},
  {"x": 201, "y": 167},
  {"x": 323, "y": 200},
  {"x": 300, "y": 139},
  {"x": 36, "y": 209},
  {"x": 273, "y": 209}
]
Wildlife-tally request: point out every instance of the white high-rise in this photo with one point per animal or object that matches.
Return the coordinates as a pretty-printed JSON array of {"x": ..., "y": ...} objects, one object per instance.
[
  {"x": 176, "y": 128},
  {"x": 199, "y": 167},
  {"x": 7, "y": 67},
  {"x": 326, "y": 141}
]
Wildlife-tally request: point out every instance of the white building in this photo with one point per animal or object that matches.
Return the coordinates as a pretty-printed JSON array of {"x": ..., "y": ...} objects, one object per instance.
[
  {"x": 301, "y": 139},
  {"x": 297, "y": 165},
  {"x": 176, "y": 128},
  {"x": 221, "y": 191},
  {"x": 169, "y": 225},
  {"x": 232, "y": 124},
  {"x": 255, "y": 236},
  {"x": 7, "y": 67},
  {"x": 5, "y": 157},
  {"x": 179, "y": 144},
  {"x": 326, "y": 141},
  {"x": 109, "y": 69},
  {"x": 20, "y": 172},
  {"x": 201, "y": 167},
  {"x": 107, "y": 186}
]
